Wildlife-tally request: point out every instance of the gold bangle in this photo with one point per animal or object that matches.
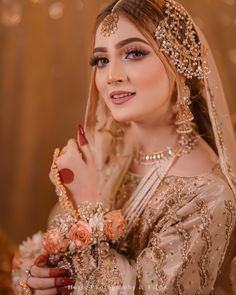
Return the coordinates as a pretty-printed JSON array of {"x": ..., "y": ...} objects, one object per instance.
[
  {"x": 25, "y": 288},
  {"x": 61, "y": 192}
]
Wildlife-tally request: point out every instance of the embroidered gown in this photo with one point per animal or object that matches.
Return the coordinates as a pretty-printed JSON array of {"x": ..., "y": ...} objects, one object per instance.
[{"x": 181, "y": 240}]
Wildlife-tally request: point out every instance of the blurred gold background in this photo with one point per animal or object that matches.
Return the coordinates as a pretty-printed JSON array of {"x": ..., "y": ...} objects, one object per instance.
[{"x": 44, "y": 76}]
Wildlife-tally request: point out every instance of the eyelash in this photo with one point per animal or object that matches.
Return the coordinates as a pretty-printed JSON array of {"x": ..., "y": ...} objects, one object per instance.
[{"x": 95, "y": 60}]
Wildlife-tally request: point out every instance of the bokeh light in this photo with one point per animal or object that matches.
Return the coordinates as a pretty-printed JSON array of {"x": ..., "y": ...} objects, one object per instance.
[
  {"x": 11, "y": 13},
  {"x": 56, "y": 10}
]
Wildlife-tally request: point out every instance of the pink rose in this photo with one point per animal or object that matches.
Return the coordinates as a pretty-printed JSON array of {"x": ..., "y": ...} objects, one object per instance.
[
  {"x": 114, "y": 224},
  {"x": 81, "y": 234},
  {"x": 54, "y": 242}
]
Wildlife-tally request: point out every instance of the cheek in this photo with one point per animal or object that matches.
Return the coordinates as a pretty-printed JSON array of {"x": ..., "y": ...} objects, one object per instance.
[
  {"x": 100, "y": 82},
  {"x": 154, "y": 78},
  {"x": 152, "y": 84}
]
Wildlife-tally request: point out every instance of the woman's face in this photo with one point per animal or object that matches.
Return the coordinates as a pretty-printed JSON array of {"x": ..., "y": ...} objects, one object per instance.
[{"x": 130, "y": 77}]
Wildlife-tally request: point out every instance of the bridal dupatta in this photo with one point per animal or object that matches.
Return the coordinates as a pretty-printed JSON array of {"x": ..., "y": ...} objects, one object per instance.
[{"x": 112, "y": 145}]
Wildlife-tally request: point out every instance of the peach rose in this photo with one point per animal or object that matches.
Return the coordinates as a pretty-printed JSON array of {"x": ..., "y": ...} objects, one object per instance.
[
  {"x": 16, "y": 261},
  {"x": 54, "y": 242},
  {"x": 114, "y": 224},
  {"x": 81, "y": 234}
]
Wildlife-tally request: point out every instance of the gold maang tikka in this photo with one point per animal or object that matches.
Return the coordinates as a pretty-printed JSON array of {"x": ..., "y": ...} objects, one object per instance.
[{"x": 110, "y": 23}]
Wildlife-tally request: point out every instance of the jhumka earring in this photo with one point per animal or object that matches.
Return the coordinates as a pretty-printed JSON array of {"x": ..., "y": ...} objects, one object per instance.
[
  {"x": 109, "y": 24},
  {"x": 184, "y": 117}
]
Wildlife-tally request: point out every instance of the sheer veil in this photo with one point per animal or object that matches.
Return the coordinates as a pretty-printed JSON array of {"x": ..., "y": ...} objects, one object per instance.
[
  {"x": 112, "y": 144},
  {"x": 220, "y": 117}
]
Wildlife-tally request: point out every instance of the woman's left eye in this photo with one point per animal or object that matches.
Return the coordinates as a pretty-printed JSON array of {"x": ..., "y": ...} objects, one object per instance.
[{"x": 136, "y": 54}]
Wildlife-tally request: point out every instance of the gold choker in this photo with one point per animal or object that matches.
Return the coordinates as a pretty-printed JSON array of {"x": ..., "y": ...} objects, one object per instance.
[{"x": 184, "y": 146}]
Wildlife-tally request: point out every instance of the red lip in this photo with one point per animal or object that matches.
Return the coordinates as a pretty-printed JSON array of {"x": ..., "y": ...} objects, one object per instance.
[
  {"x": 119, "y": 92},
  {"x": 123, "y": 99}
]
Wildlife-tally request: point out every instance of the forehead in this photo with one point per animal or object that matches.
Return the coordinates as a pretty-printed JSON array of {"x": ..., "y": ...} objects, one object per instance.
[{"x": 126, "y": 29}]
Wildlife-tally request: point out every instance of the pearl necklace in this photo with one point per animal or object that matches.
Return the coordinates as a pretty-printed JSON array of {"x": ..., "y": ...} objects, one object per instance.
[{"x": 185, "y": 144}]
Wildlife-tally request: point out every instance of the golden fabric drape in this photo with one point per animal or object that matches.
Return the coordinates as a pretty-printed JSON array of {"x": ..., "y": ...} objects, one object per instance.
[{"x": 44, "y": 78}]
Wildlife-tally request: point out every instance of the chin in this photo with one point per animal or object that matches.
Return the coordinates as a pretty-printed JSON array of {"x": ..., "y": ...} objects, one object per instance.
[
  {"x": 121, "y": 119},
  {"x": 124, "y": 118}
]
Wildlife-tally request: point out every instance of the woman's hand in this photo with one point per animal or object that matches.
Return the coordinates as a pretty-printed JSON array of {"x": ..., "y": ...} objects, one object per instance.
[
  {"x": 77, "y": 169},
  {"x": 49, "y": 281}
]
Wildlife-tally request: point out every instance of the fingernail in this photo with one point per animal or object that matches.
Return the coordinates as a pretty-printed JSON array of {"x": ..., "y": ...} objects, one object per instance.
[
  {"x": 41, "y": 260},
  {"x": 82, "y": 137},
  {"x": 66, "y": 289},
  {"x": 57, "y": 272},
  {"x": 65, "y": 281}
]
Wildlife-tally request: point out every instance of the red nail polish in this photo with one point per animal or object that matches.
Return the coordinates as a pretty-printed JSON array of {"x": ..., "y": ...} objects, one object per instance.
[
  {"x": 58, "y": 272},
  {"x": 65, "y": 289},
  {"x": 82, "y": 137},
  {"x": 64, "y": 281},
  {"x": 41, "y": 260},
  {"x": 66, "y": 175}
]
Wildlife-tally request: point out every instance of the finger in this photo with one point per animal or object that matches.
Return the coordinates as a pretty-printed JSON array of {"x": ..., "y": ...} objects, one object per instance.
[
  {"x": 59, "y": 272},
  {"x": 64, "y": 282},
  {"x": 41, "y": 283},
  {"x": 41, "y": 260},
  {"x": 72, "y": 145},
  {"x": 48, "y": 283},
  {"x": 72, "y": 151},
  {"x": 65, "y": 289},
  {"x": 81, "y": 137},
  {"x": 51, "y": 291},
  {"x": 60, "y": 290},
  {"x": 46, "y": 272},
  {"x": 83, "y": 143}
]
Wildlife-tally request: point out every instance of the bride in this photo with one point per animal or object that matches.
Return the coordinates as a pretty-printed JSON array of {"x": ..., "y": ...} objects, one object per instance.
[{"x": 158, "y": 145}]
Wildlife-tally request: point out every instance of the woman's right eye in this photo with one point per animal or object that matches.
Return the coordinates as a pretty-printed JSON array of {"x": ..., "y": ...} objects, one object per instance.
[{"x": 99, "y": 62}]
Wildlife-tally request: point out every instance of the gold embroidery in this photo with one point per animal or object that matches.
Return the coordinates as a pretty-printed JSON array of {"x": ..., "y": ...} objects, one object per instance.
[
  {"x": 159, "y": 257},
  {"x": 161, "y": 214},
  {"x": 229, "y": 222},
  {"x": 206, "y": 237},
  {"x": 185, "y": 236},
  {"x": 130, "y": 182},
  {"x": 106, "y": 275},
  {"x": 230, "y": 216}
]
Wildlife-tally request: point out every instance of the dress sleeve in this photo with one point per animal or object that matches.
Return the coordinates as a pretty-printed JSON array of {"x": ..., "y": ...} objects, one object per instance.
[
  {"x": 185, "y": 252},
  {"x": 114, "y": 275}
]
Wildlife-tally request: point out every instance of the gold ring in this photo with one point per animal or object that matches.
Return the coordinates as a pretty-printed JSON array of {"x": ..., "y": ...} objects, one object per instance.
[
  {"x": 28, "y": 271},
  {"x": 25, "y": 288}
]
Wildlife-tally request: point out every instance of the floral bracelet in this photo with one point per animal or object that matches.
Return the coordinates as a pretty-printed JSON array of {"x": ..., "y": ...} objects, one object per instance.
[{"x": 68, "y": 236}]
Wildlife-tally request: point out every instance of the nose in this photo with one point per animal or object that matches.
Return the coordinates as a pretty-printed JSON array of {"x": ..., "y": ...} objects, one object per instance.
[
  {"x": 116, "y": 74},
  {"x": 112, "y": 81}
]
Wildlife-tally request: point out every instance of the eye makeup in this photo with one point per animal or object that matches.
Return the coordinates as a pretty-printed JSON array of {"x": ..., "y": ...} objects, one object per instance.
[{"x": 135, "y": 51}]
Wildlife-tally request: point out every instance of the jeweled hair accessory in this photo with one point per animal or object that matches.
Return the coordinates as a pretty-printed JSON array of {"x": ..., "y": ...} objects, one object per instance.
[
  {"x": 179, "y": 40},
  {"x": 109, "y": 24}
]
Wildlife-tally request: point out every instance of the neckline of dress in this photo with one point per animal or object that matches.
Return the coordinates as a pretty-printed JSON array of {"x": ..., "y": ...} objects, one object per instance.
[{"x": 203, "y": 174}]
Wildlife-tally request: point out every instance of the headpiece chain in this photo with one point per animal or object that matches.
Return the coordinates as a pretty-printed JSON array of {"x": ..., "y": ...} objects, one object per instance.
[{"x": 179, "y": 40}]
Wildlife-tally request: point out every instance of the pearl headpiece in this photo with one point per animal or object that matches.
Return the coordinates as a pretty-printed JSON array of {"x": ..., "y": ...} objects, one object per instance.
[
  {"x": 177, "y": 36},
  {"x": 179, "y": 40}
]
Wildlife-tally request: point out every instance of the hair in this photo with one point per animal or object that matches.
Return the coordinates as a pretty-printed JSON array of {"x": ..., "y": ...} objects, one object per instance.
[{"x": 146, "y": 15}]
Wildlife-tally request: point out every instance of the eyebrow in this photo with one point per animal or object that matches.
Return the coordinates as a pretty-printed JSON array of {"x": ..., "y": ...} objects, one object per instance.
[{"x": 121, "y": 44}]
